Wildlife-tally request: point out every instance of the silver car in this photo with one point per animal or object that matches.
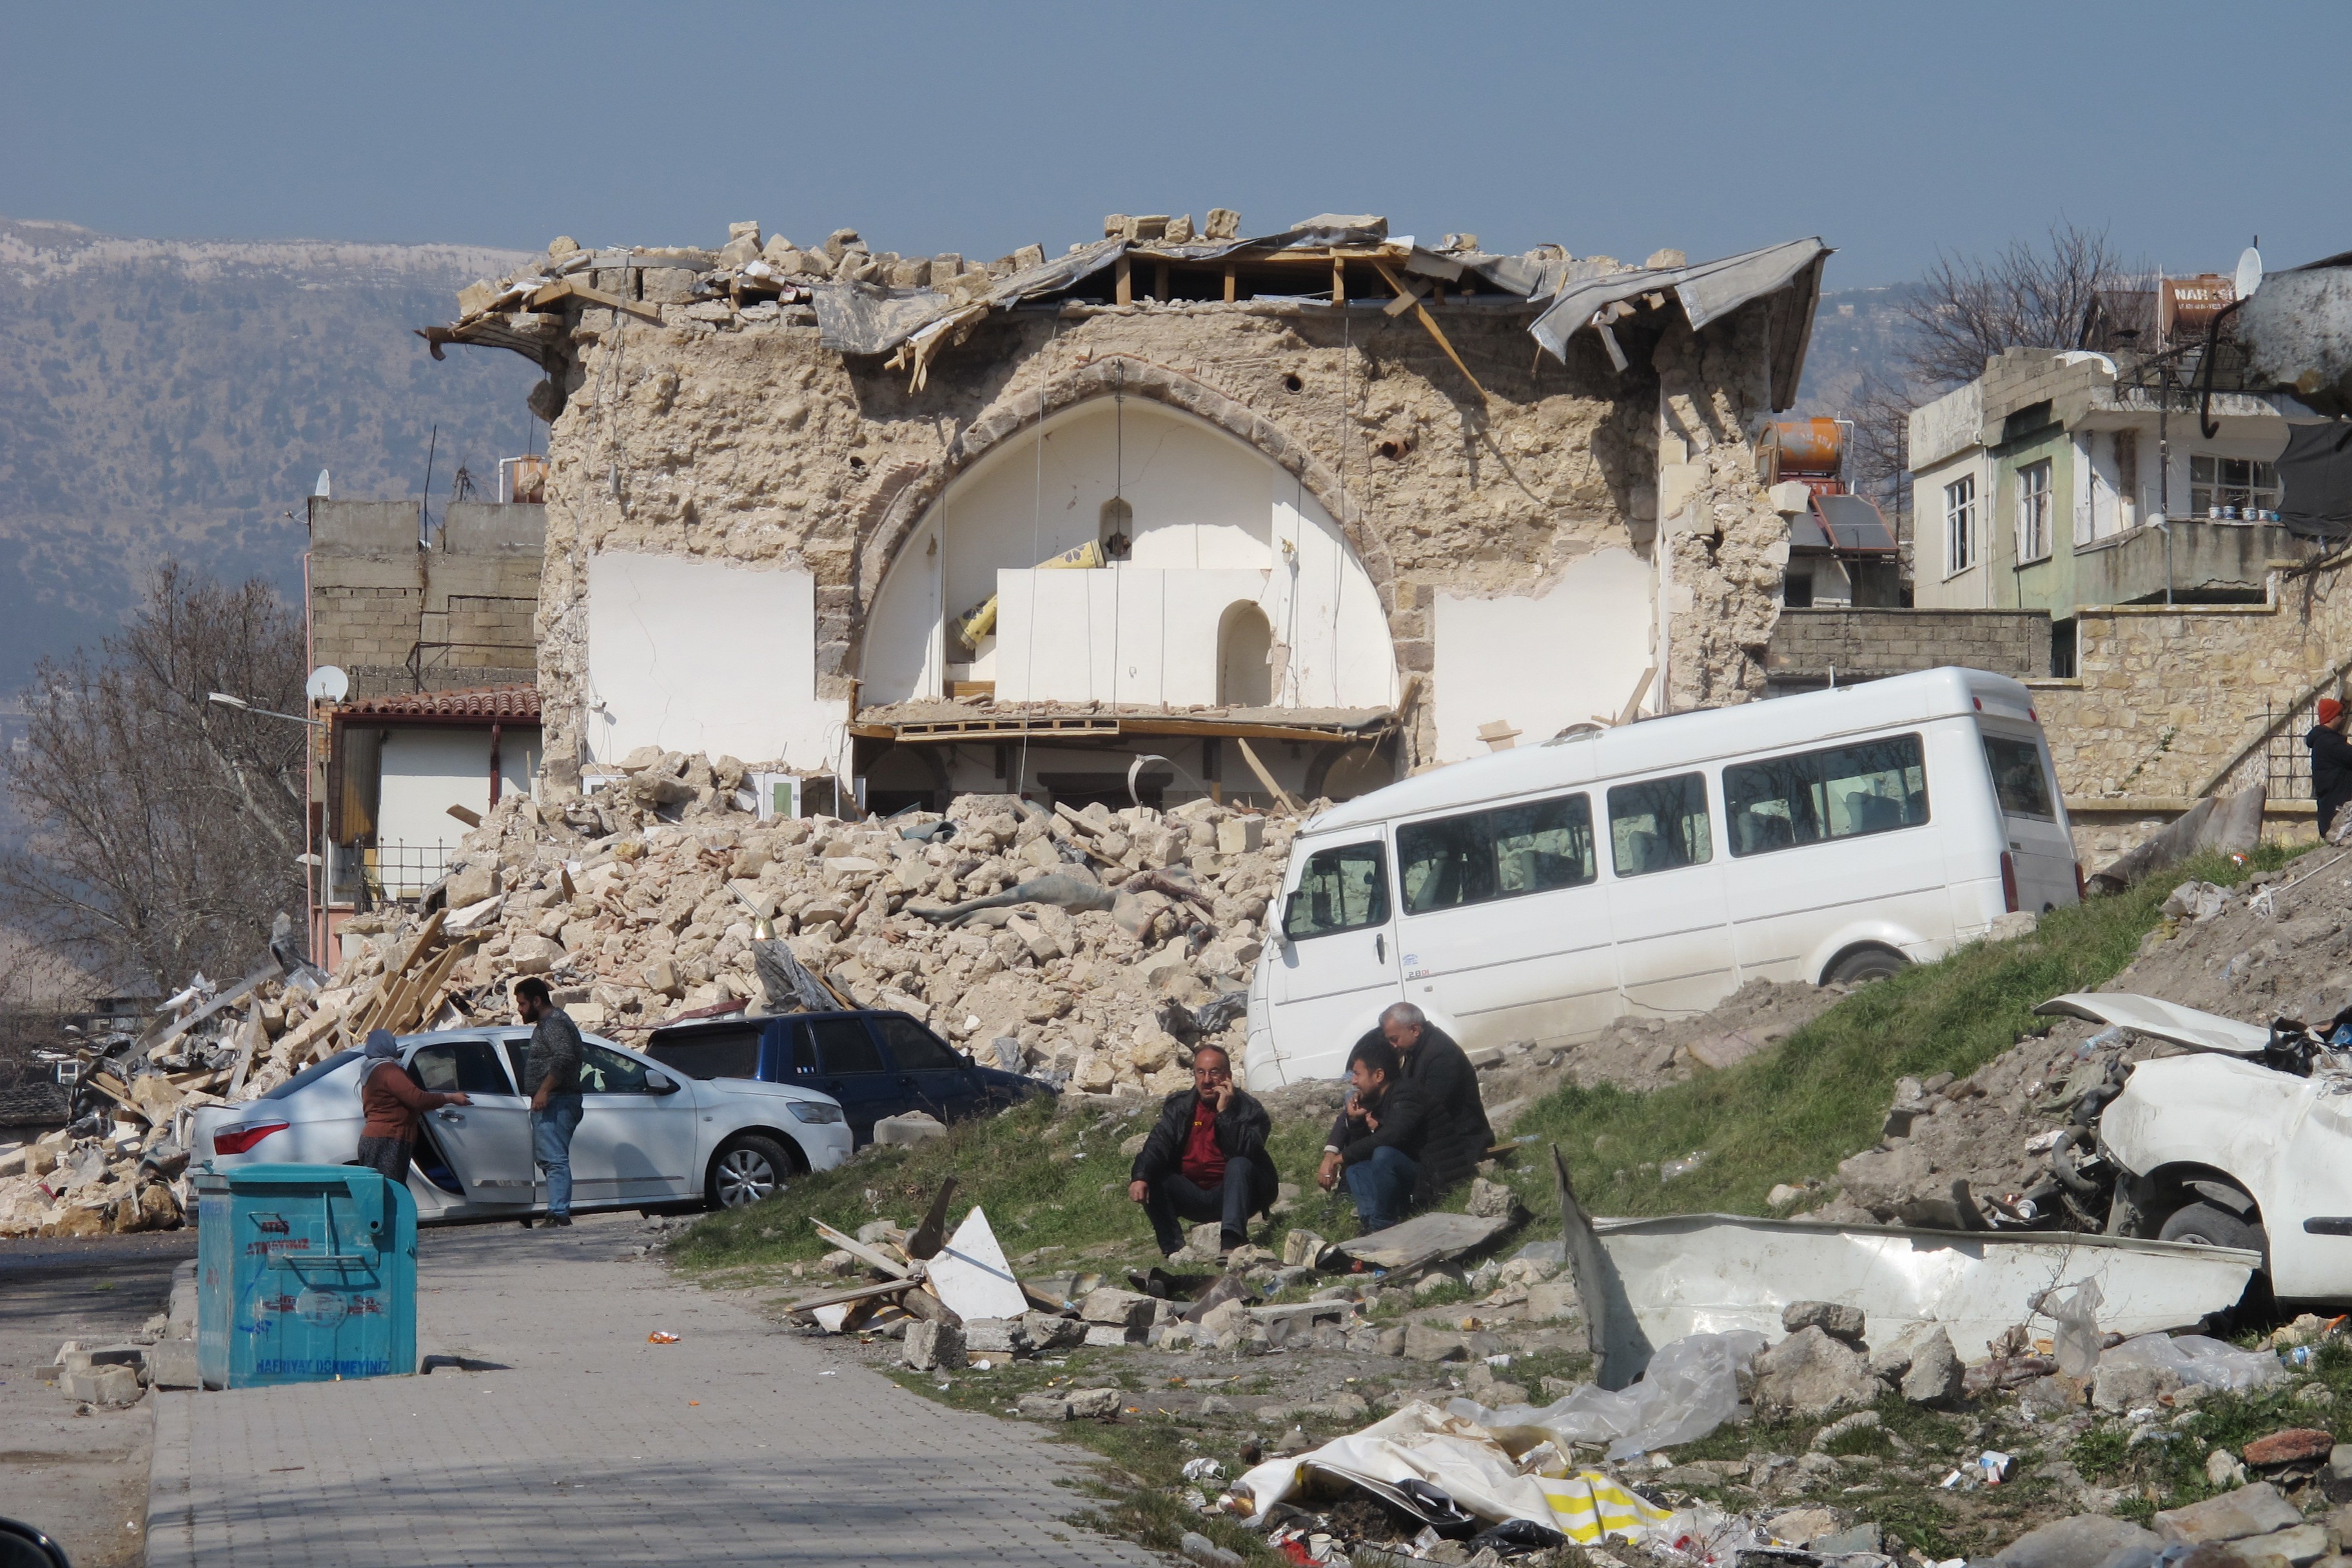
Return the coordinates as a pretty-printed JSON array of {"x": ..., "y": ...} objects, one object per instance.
[{"x": 647, "y": 1137}]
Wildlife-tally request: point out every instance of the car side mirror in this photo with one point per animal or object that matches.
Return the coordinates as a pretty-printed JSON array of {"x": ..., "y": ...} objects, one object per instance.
[{"x": 660, "y": 1083}]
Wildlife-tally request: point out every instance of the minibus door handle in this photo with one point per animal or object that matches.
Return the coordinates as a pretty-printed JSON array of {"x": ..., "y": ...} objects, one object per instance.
[{"x": 1380, "y": 945}]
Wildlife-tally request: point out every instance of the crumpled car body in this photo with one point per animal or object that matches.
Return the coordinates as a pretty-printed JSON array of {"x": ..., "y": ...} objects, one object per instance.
[{"x": 2215, "y": 1145}]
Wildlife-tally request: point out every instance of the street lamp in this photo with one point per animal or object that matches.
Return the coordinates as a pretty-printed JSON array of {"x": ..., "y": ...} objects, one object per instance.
[{"x": 242, "y": 706}]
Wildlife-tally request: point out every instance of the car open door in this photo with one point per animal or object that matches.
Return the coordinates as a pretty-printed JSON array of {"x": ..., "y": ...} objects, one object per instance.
[
  {"x": 634, "y": 1142},
  {"x": 487, "y": 1143}
]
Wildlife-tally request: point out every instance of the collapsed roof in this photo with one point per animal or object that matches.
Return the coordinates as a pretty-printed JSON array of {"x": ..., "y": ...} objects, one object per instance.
[{"x": 1307, "y": 264}]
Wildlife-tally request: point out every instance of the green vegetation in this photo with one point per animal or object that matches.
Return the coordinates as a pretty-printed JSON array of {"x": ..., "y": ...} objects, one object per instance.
[
  {"x": 1053, "y": 1179},
  {"x": 1794, "y": 1112}
]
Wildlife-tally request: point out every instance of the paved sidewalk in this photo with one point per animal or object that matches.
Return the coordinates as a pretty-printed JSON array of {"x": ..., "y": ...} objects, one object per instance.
[{"x": 591, "y": 1447}]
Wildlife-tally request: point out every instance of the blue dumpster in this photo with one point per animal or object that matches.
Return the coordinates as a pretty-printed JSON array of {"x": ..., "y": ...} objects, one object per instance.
[{"x": 304, "y": 1274}]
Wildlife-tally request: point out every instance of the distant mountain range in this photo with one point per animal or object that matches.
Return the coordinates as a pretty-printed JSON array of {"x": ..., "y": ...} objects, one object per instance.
[
  {"x": 178, "y": 398},
  {"x": 175, "y": 398}
]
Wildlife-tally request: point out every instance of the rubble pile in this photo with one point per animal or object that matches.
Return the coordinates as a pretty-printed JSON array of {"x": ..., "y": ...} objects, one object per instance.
[
  {"x": 1091, "y": 948},
  {"x": 2280, "y": 945}
]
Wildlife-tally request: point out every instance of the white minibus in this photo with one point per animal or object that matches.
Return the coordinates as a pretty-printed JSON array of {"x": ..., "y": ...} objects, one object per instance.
[{"x": 1537, "y": 893}]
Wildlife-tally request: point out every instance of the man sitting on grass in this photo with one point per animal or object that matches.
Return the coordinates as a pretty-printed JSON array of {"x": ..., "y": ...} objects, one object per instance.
[
  {"x": 1206, "y": 1159},
  {"x": 1381, "y": 1138}
]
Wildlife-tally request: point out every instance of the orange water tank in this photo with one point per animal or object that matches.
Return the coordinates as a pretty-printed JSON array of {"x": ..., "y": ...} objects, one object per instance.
[{"x": 1808, "y": 446}]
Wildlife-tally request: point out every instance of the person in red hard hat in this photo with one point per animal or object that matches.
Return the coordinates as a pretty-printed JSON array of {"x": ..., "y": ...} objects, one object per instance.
[{"x": 2331, "y": 763}]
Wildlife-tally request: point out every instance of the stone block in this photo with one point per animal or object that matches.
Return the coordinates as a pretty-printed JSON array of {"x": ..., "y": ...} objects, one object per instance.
[
  {"x": 1049, "y": 1331},
  {"x": 1240, "y": 834},
  {"x": 1043, "y": 1407},
  {"x": 100, "y": 1385},
  {"x": 2286, "y": 1448},
  {"x": 1832, "y": 1318},
  {"x": 935, "y": 1347},
  {"x": 2301, "y": 1545},
  {"x": 1111, "y": 1337},
  {"x": 1811, "y": 1373},
  {"x": 1094, "y": 1404},
  {"x": 2082, "y": 1542},
  {"x": 2118, "y": 1388},
  {"x": 1120, "y": 1309},
  {"x": 1424, "y": 1341},
  {"x": 993, "y": 1336},
  {"x": 1549, "y": 1300},
  {"x": 172, "y": 1363},
  {"x": 1301, "y": 1247},
  {"x": 2256, "y": 1509},
  {"x": 904, "y": 1132}
]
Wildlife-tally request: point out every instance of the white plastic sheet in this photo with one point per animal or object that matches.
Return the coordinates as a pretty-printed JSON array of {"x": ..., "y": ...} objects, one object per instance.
[
  {"x": 1690, "y": 1388},
  {"x": 2201, "y": 1361}
]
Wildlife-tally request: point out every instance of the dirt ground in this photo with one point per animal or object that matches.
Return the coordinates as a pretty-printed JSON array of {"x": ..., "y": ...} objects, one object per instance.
[{"x": 82, "y": 1479}]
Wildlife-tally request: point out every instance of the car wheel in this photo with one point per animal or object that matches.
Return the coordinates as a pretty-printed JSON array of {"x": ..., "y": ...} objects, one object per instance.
[
  {"x": 748, "y": 1169},
  {"x": 2210, "y": 1225},
  {"x": 1865, "y": 964}
]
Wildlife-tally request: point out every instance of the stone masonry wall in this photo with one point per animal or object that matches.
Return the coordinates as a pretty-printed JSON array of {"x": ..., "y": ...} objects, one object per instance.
[
  {"x": 377, "y": 596},
  {"x": 1863, "y": 644},
  {"x": 735, "y": 435},
  {"x": 2170, "y": 703}
]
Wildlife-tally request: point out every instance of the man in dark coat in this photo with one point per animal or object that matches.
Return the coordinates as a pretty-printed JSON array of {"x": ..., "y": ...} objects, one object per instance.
[
  {"x": 1459, "y": 1134},
  {"x": 1205, "y": 1159},
  {"x": 1380, "y": 1144},
  {"x": 2331, "y": 761}
]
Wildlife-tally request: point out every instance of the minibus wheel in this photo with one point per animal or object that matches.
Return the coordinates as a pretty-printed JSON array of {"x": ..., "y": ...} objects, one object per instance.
[{"x": 1865, "y": 963}]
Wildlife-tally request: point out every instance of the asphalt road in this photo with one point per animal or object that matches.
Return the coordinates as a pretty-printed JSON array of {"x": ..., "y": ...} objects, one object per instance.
[{"x": 82, "y": 1479}]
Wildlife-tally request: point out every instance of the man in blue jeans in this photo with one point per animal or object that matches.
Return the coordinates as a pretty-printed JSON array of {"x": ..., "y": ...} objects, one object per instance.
[
  {"x": 1378, "y": 1142},
  {"x": 551, "y": 1076}
]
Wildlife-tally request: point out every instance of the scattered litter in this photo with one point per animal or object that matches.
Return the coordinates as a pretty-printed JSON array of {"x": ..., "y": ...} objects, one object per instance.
[
  {"x": 1204, "y": 1469},
  {"x": 660, "y": 1337}
]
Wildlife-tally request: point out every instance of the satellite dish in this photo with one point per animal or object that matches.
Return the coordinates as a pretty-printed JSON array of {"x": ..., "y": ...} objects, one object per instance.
[
  {"x": 327, "y": 684},
  {"x": 2249, "y": 273}
]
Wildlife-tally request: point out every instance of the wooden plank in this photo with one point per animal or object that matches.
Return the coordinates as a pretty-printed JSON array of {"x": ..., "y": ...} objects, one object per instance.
[
  {"x": 1122, "y": 276},
  {"x": 847, "y": 1293},
  {"x": 1267, "y": 778},
  {"x": 1338, "y": 279},
  {"x": 1640, "y": 689},
  {"x": 425, "y": 937},
  {"x": 229, "y": 998},
  {"x": 254, "y": 1037},
  {"x": 1429, "y": 323},
  {"x": 1409, "y": 292},
  {"x": 571, "y": 288},
  {"x": 859, "y": 1250},
  {"x": 1231, "y": 284}
]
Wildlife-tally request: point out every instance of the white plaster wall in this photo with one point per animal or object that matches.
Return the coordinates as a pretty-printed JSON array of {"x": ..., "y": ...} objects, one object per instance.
[
  {"x": 1934, "y": 586},
  {"x": 705, "y": 655},
  {"x": 1542, "y": 664},
  {"x": 426, "y": 771},
  {"x": 1129, "y": 635},
  {"x": 1203, "y": 503},
  {"x": 1949, "y": 426}
]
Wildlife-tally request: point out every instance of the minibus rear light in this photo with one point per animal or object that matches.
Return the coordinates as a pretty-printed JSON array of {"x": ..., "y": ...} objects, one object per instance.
[{"x": 2009, "y": 881}]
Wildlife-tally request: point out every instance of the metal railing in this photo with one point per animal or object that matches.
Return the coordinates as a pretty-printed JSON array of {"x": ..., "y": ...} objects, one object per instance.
[
  {"x": 368, "y": 875},
  {"x": 2287, "y": 760}
]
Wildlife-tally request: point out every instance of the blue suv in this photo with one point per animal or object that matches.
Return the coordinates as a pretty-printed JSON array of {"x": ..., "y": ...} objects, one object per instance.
[{"x": 876, "y": 1064}]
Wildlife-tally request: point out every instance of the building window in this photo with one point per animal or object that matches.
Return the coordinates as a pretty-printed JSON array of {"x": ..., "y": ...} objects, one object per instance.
[
  {"x": 2234, "y": 485},
  {"x": 1960, "y": 525},
  {"x": 2033, "y": 511}
]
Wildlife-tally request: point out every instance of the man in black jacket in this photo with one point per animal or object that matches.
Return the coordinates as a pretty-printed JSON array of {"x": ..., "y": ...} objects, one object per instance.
[
  {"x": 1380, "y": 1142},
  {"x": 1458, "y": 1133},
  {"x": 2331, "y": 761},
  {"x": 1205, "y": 1160}
]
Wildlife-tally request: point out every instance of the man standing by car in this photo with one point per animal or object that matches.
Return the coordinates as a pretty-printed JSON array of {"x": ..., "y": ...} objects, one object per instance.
[
  {"x": 392, "y": 1103},
  {"x": 1205, "y": 1159},
  {"x": 551, "y": 1076},
  {"x": 1380, "y": 1142},
  {"x": 2331, "y": 763}
]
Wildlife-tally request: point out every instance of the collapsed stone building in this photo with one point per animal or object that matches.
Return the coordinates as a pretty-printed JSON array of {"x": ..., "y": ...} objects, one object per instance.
[{"x": 1178, "y": 510}]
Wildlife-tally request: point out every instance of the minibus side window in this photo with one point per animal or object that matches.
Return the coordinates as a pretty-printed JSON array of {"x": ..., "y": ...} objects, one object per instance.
[
  {"x": 2018, "y": 778},
  {"x": 1346, "y": 888},
  {"x": 1659, "y": 824},
  {"x": 1499, "y": 853},
  {"x": 1842, "y": 793}
]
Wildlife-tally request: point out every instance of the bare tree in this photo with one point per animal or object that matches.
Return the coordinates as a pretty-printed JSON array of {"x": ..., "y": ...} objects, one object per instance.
[
  {"x": 1969, "y": 308},
  {"x": 165, "y": 829}
]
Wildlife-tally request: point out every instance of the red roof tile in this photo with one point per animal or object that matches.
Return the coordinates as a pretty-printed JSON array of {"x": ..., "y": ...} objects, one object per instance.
[{"x": 515, "y": 704}]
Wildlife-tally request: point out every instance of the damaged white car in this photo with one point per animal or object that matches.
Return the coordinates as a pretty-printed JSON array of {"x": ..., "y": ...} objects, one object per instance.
[{"x": 2243, "y": 1139}]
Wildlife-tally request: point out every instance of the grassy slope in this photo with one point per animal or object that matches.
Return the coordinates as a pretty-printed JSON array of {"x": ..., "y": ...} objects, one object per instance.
[
  {"x": 1796, "y": 1112},
  {"x": 1789, "y": 1114}
]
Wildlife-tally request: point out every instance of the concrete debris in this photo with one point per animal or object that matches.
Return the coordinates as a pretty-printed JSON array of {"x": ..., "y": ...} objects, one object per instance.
[{"x": 652, "y": 898}]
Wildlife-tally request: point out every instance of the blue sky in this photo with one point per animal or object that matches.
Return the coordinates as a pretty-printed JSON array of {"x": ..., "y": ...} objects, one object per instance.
[{"x": 1892, "y": 130}]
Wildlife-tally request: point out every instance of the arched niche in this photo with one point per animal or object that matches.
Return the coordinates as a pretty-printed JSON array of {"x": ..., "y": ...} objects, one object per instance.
[{"x": 1208, "y": 522}]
